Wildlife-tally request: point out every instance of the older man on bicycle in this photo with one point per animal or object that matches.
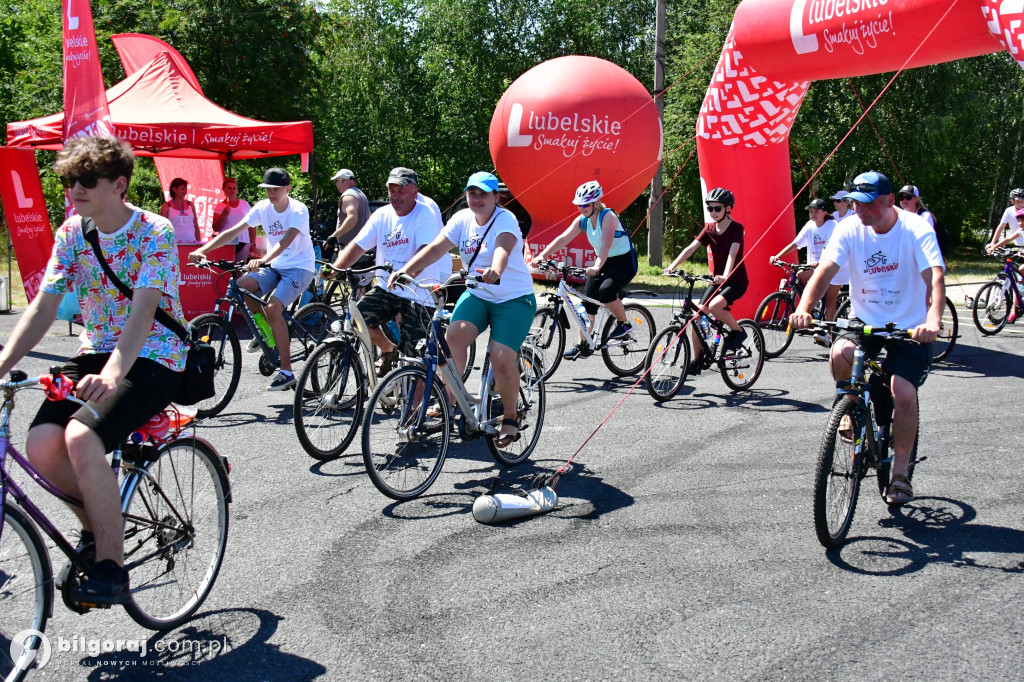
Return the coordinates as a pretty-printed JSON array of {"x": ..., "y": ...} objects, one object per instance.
[
  {"x": 128, "y": 368},
  {"x": 896, "y": 275}
]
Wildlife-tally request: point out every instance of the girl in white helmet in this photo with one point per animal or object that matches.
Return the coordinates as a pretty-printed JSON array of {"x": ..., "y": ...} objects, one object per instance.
[{"x": 615, "y": 265}]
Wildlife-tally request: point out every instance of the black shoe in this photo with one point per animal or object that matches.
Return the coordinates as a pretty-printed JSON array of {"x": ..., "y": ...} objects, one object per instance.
[
  {"x": 282, "y": 381},
  {"x": 735, "y": 340},
  {"x": 694, "y": 369},
  {"x": 107, "y": 585}
]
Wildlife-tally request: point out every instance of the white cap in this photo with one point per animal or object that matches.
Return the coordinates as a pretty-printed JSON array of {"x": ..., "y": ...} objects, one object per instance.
[
  {"x": 344, "y": 174},
  {"x": 840, "y": 195}
]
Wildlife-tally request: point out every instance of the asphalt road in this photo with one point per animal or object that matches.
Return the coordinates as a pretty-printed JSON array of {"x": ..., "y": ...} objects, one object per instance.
[{"x": 682, "y": 546}]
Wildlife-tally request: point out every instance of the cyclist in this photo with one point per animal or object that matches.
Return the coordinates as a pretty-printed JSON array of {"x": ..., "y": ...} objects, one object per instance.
[
  {"x": 896, "y": 275},
  {"x": 1017, "y": 237},
  {"x": 397, "y": 231},
  {"x": 128, "y": 367},
  {"x": 490, "y": 241},
  {"x": 615, "y": 264},
  {"x": 286, "y": 222},
  {"x": 1017, "y": 199},
  {"x": 813, "y": 236},
  {"x": 841, "y": 202},
  {"x": 723, "y": 238}
]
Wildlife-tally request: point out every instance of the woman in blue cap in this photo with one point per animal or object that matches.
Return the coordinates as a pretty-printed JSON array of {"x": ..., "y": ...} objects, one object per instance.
[{"x": 490, "y": 243}]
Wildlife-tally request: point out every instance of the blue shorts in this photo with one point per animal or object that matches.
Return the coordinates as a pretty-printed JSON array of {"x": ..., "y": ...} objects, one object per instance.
[
  {"x": 284, "y": 285},
  {"x": 510, "y": 321}
]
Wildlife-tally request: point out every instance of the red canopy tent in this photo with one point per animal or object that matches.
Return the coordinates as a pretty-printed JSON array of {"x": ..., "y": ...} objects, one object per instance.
[{"x": 160, "y": 113}]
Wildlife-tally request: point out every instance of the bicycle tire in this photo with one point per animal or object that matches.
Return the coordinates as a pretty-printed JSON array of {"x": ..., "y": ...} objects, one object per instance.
[
  {"x": 772, "y": 317},
  {"x": 531, "y": 404},
  {"x": 315, "y": 320},
  {"x": 335, "y": 295},
  {"x": 227, "y": 371},
  {"x": 948, "y": 333},
  {"x": 470, "y": 360},
  {"x": 991, "y": 308},
  {"x": 742, "y": 368},
  {"x": 844, "y": 309},
  {"x": 548, "y": 335},
  {"x": 837, "y": 478},
  {"x": 628, "y": 358},
  {"x": 666, "y": 363},
  {"x": 26, "y": 591},
  {"x": 399, "y": 467},
  {"x": 329, "y": 399},
  {"x": 175, "y": 532}
]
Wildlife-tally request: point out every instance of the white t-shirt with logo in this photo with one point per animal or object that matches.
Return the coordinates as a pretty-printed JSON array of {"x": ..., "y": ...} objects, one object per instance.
[
  {"x": 885, "y": 269},
  {"x": 814, "y": 239},
  {"x": 463, "y": 231},
  {"x": 235, "y": 216},
  {"x": 397, "y": 239},
  {"x": 1010, "y": 218},
  {"x": 299, "y": 254}
]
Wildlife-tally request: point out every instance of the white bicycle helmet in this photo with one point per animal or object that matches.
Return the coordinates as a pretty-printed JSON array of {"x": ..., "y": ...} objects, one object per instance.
[{"x": 588, "y": 193}]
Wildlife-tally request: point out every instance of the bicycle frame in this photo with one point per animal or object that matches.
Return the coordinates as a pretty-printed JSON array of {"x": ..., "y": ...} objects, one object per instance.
[
  {"x": 1009, "y": 277},
  {"x": 563, "y": 294}
]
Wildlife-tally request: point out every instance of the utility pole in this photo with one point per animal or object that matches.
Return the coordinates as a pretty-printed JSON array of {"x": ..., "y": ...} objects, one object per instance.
[{"x": 656, "y": 229}]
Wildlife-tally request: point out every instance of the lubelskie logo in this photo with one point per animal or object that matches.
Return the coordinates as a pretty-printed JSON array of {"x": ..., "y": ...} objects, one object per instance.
[
  {"x": 583, "y": 132},
  {"x": 879, "y": 263},
  {"x": 396, "y": 232},
  {"x": 859, "y": 34}
]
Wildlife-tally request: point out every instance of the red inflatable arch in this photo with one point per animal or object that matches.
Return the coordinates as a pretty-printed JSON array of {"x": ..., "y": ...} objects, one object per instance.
[{"x": 773, "y": 51}]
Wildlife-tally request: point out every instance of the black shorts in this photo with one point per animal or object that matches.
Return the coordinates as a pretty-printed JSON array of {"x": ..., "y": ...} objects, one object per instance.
[
  {"x": 147, "y": 389},
  {"x": 911, "y": 361},
  {"x": 380, "y": 306},
  {"x": 730, "y": 290},
  {"x": 616, "y": 273}
]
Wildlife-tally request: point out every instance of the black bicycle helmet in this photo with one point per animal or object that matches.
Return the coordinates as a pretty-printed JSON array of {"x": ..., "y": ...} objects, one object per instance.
[
  {"x": 720, "y": 195},
  {"x": 1017, "y": 193}
]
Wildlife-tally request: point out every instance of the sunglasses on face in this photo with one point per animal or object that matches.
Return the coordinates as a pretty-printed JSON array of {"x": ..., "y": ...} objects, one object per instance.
[
  {"x": 86, "y": 181},
  {"x": 715, "y": 209},
  {"x": 583, "y": 207}
]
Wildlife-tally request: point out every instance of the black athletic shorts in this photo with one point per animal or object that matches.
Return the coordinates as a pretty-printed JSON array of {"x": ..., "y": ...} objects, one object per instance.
[
  {"x": 380, "y": 306},
  {"x": 912, "y": 361},
  {"x": 148, "y": 388},
  {"x": 614, "y": 275},
  {"x": 731, "y": 291}
]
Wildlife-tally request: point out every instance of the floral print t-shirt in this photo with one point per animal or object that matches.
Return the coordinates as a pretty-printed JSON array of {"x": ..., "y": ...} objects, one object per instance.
[{"x": 143, "y": 255}]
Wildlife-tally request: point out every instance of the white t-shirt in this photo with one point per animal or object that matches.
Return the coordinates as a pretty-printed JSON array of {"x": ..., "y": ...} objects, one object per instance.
[
  {"x": 885, "y": 269},
  {"x": 1010, "y": 218},
  {"x": 444, "y": 263},
  {"x": 814, "y": 239},
  {"x": 397, "y": 239},
  {"x": 299, "y": 254},
  {"x": 235, "y": 216},
  {"x": 185, "y": 226},
  {"x": 840, "y": 218},
  {"x": 463, "y": 231}
]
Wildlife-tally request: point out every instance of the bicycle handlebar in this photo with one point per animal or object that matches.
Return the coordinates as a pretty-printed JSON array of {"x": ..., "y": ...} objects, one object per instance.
[
  {"x": 794, "y": 267},
  {"x": 682, "y": 274},
  {"x": 55, "y": 386},
  {"x": 386, "y": 267},
  {"x": 562, "y": 268},
  {"x": 220, "y": 264},
  {"x": 889, "y": 331}
]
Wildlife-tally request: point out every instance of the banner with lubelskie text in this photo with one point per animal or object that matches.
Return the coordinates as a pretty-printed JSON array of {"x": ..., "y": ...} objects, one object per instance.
[{"x": 25, "y": 210}]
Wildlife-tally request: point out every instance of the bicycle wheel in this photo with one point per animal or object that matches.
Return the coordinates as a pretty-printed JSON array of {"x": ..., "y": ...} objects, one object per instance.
[
  {"x": 530, "y": 406},
  {"x": 335, "y": 295},
  {"x": 402, "y": 455},
  {"x": 548, "y": 336},
  {"x": 626, "y": 356},
  {"x": 228, "y": 369},
  {"x": 991, "y": 308},
  {"x": 948, "y": 332},
  {"x": 310, "y": 326},
  {"x": 26, "y": 592},
  {"x": 329, "y": 399},
  {"x": 175, "y": 531},
  {"x": 837, "y": 478},
  {"x": 741, "y": 368},
  {"x": 772, "y": 317},
  {"x": 666, "y": 363},
  {"x": 844, "y": 309}
]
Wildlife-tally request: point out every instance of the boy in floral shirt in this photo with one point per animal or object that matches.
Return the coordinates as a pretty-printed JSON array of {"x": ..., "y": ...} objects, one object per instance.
[{"x": 129, "y": 367}]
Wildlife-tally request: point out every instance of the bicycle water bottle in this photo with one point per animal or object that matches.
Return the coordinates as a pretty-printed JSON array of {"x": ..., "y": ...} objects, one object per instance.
[
  {"x": 581, "y": 310},
  {"x": 264, "y": 326},
  {"x": 393, "y": 327},
  {"x": 705, "y": 326}
]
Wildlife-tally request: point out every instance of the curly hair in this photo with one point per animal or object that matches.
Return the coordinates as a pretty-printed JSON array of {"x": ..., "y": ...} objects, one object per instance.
[{"x": 107, "y": 157}]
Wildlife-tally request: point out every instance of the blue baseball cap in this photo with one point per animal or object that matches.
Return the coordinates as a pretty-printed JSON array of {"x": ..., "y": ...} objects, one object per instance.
[
  {"x": 484, "y": 180},
  {"x": 869, "y": 186}
]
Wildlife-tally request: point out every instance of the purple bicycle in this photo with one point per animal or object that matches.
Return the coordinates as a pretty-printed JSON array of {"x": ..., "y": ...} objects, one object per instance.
[{"x": 174, "y": 497}]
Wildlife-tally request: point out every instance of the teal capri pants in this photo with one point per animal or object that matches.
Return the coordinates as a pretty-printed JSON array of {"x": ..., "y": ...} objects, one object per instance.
[{"x": 510, "y": 320}]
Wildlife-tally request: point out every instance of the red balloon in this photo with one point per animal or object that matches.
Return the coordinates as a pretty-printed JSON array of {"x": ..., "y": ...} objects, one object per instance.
[{"x": 565, "y": 122}]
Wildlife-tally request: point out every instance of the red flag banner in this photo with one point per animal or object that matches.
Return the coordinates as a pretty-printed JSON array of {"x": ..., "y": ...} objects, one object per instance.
[
  {"x": 85, "y": 99},
  {"x": 25, "y": 210}
]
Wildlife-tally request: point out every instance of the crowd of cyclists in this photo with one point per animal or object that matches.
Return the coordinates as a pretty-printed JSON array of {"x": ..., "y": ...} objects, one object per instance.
[{"x": 881, "y": 242}]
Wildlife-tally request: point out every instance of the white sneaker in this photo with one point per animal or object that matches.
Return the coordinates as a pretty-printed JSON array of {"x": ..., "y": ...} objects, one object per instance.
[
  {"x": 282, "y": 382},
  {"x": 824, "y": 340}
]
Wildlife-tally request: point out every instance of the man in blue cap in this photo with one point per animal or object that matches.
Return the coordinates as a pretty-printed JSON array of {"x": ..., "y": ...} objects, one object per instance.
[{"x": 896, "y": 275}]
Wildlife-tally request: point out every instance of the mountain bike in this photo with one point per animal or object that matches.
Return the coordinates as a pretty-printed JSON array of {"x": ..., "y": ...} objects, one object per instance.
[
  {"x": 407, "y": 428},
  {"x": 993, "y": 302},
  {"x": 949, "y": 328},
  {"x": 772, "y": 315},
  {"x": 843, "y": 462},
  {"x": 668, "y": 358},
  {"x": 306, "y": 329},
  {"x": 332, "y": 388},
  {"x": 174, "y": 496},
  {"x": 623, "y": 356}
]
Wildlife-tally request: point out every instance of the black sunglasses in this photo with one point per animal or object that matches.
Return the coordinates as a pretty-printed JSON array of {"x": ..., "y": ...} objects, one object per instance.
[
  {"x": 906, "y": 197},
  {"x": 715, "y": 209},
  {"x": 865, "y": 187},
  {"x": 87, "y": 181}
]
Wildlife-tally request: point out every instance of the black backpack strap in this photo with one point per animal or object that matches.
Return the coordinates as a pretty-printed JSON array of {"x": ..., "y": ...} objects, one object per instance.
[{"x": 91, "y": 235}]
